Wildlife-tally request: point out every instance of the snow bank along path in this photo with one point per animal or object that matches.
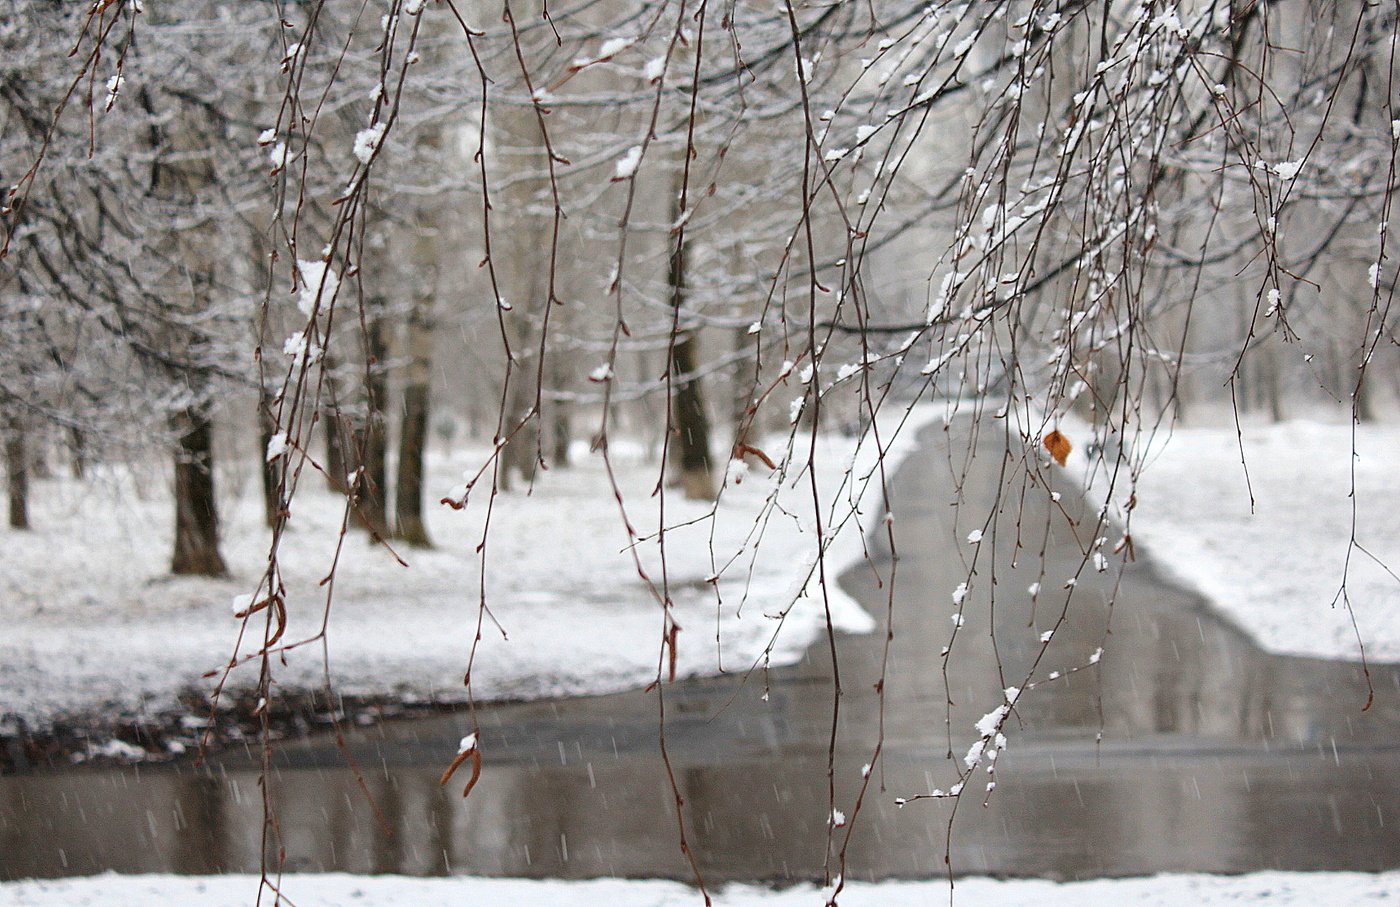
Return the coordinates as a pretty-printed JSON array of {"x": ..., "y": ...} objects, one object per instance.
[
  {"x": 1262, "y": 525},
  {"x": 1279, "y": 889}
]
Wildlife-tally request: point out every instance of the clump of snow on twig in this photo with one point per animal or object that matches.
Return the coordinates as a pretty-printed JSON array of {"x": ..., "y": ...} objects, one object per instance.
[
  {"x": 367, "y": 142},
  {"x": 627, "y": 164},
  {"x": 319, "y": 285}
]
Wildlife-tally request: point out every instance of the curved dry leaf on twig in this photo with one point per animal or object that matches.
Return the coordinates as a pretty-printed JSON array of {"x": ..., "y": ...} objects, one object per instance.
[{"x": 1058, "y": 445}]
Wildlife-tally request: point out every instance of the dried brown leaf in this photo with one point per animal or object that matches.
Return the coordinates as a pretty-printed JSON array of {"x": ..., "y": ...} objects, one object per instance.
[{"x": 1058, "y": 445}]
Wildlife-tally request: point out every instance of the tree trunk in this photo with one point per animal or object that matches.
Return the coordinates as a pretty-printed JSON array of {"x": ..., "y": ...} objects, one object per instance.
[
  {"x": 413, "y": 430},
  {"x": 77, "y": 452},
  {"x": 270, "y": 470},
  {"x": 39, "y": 465},
  {"x": 426, "y": 256},
  {"x": 521, "y": 453},
  {"x": 181, "y": 171},
  {"x": 562, "y": 429},
  {"x": 337, "y": 465},
  {"x": 408, "y": 489},
  {"x": 560, "y": 425},
  {"x": 371, "y": 478},
  {"x": 1269, "y": 383},
  {"x": 741, "y": 387},
  {"x": 690, "y": 449},
  {"x": 521, "y": 256},
  {"x": 17, "y": 472},
  {"x": 196, "y": 513}
]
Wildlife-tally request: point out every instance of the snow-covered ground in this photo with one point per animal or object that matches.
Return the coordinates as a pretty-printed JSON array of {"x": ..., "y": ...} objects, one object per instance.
[
  {"x": 1329, "y": 889},
  {"x": 92, "y": 621},
  {"x": 1271, "y": 525}
]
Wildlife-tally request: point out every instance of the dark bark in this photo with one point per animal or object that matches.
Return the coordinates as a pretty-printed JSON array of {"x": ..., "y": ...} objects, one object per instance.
[
  {"x": 520, "y": 454},
  {"x": 271, "y": 470},
  {"x": 690, "y": 448},
  {"x": 692, "y": 424},
  {"x": 370, "y": 437},
  {"x": 413, "y": 427},
  {"x": 196, "y": 513},
  {"x": 181, "y": 171},
  {"x": 741, "y": 387},
  {"x": 408, "y": 489},
  {"x": 561, "y": 430},
  {"x": 526, "y": 275},
  {"x": 561, "y": 427},
  {"x": 39, "y": 465},
  {"x": 427, "y": 256},
  {"x": 1269, "y": 384},
  {"x": 77, "y": 452},
  {"x": 371, "y": 478},
  {"x": 338, "y": 463},
  {"x": 17, "y": 473},
  {"x": 336, "y": 467}
]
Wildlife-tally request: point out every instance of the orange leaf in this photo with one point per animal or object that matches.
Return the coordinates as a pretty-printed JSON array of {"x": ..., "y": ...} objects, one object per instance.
[{"x": 1058, "y": 445}]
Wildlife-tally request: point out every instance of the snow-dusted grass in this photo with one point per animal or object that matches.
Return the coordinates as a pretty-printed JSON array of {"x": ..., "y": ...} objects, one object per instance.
[
  {"x": 1262, "y": 525},
  {"x": 1274, "y": 888},
  {"x": 93, "y": 621}
]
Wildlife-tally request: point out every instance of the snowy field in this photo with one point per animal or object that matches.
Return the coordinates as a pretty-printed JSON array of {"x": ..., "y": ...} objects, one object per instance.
[
  {"x": 1270, "y": 526},
  {"x": 1280, "y": 889},
  {"x": 90, "y": 617},
  {"x": 90, "y": 614}
]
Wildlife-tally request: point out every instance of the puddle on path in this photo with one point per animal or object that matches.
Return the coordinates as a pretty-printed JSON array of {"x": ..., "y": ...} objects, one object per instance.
[{"x": 1184, "y": 749}]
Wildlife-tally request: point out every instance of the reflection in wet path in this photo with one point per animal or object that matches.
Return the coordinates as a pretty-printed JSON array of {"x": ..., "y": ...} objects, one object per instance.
[{"x": 1213, "y": 756}]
